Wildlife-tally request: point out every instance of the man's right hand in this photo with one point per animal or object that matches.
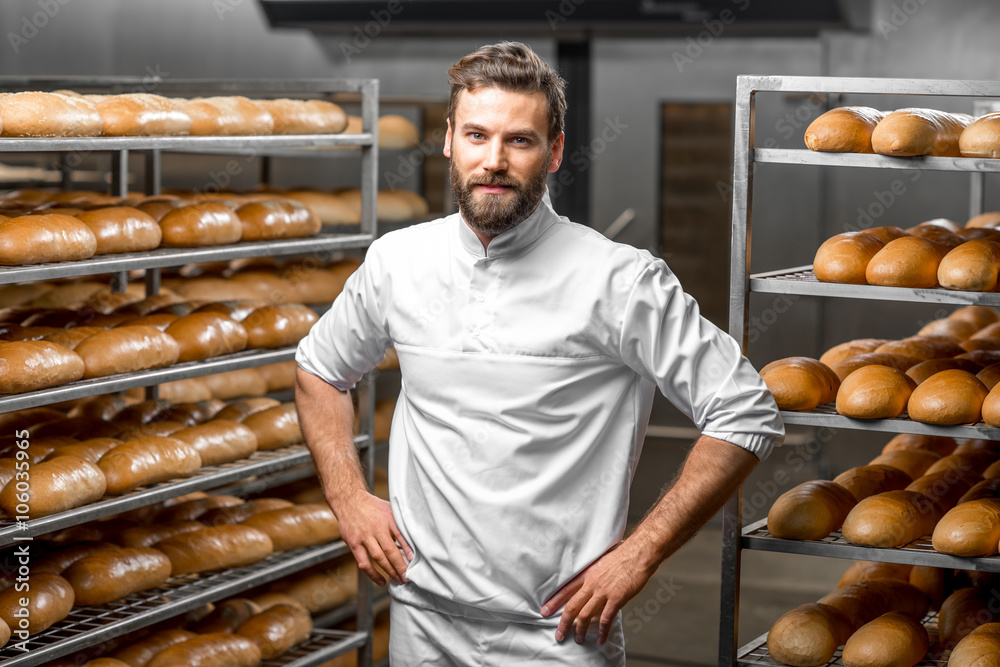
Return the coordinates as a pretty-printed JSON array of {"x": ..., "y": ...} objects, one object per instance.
[{"x": 368, "y": 528}]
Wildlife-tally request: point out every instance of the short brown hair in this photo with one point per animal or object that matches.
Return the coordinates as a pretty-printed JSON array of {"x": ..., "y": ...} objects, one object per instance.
[{"x": 513, "y": 67}]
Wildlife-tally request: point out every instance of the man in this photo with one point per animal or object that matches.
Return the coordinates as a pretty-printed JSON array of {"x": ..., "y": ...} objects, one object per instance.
[{"x": 530, "y": 349}]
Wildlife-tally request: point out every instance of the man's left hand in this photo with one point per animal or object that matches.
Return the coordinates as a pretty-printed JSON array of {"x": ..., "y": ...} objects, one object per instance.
[{"x": 598, "y": 592}]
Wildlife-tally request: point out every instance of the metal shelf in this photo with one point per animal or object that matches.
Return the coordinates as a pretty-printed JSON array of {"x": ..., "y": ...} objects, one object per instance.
[
  {"x": 323, "y": 645},
  {"x": 873, "y": 161},
  {"x": 122, "y": 381},
  {"x": 826, "y": 416},
  {"x": 319, "y": 151},
  {"x": 920, "y": 552},
  {"x": 87, "y": 626},
  {"x": 165, "y": 257},
  {"x": 755, "y": 653},
  {"x": 801, "y": 280},
  {"x": 238, "y": 145},
  {"x": 247, "y": 487},
  {"x": 348, "y": 610}
]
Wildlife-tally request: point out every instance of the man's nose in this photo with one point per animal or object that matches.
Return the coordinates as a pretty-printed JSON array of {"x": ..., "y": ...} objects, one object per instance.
[{"x": 496, "y": 156}]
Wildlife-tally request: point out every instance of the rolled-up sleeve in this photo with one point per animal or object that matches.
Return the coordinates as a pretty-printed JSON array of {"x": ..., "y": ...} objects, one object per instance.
[
  {"x": 698, "y": 367},
  {"x": 351, "y": 338}
]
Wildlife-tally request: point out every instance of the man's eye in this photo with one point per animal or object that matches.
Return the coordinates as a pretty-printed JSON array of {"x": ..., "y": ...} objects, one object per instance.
[
  {"x": 476, "y": 135},
  {"x": 521, "y": 141}
]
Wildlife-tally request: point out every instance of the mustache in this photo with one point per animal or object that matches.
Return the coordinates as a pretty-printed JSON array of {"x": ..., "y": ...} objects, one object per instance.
[{"x": 495, "y": 180}]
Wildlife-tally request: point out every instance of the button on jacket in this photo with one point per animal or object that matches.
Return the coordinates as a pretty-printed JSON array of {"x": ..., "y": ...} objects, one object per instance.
[{"x": 528, "y": 374}]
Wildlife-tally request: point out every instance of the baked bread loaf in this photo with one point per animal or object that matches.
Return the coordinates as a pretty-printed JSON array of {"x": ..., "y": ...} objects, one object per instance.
[
  {"x": 874, "y": 392},
  {"x": 277, "y": 219},
  {"x": 55, "y": 485},
  {"x": 277, "y": 629},
  {"x": 867, "y": 600},
  {"x": 50, "y": 599},
  {"x": 979, "y": 648},
  {"x": 31, "y": 114},
  {"x": 275, "y": 427},
  {"x": 279, "y": 376},
  {"x": 329, "y": 208},
  {"x": 909, "y": 261},
  {"x": 890, "y": 519},
  {"x": 844, "y": 130},
  {"x": 193, "y": 508},
  {"x": 907, "y": 132},
  {"x": 952, "y": 327},
  {"x": 975, "y": 461},
  {"x": 980, "y": 138},
  {"x": 215, "y": 548},
  {"x": 863, "y": 570},
  {"x": 36, "y": 239},
  {"x": 810, "y": 511},
  {"x": 297, "y": 526},
  {"x": 923, "y": 348},
  {"x": 991, "y": 404},
  {"x": 205, "y": 224},
  {"x": 877, "y": 477},
  {"x": 949, "y": 397},
  {"x": 931, "y": 367},
  {"x": 943, "y": 489},
  {"x": 891, "y": 639},
  {"x": 219, "y": 441},
  {"x": 851, "y": 348},
  {"x": 844, "y": 258},
  {"x": 969, "y": 529},
  {"x": 215, "y": 649},
  {"x": 147, "y": 536},
  {"x": 228, "y": 116},
  {"x": 121, "y": 229},
  {"x": 963, "y": 611},
  {"x": 912, "y": 462},
  {"x": 279, "y": 325},
  {"x": 980, "y": 316},
  {"x": 397, "y": 132},
  {"x": 31, "y": 365},
  {"x": 140, "y": 652},
  {"x": 971, "y": 267},
  {"x": 240, "y": 410},
  {"x": 305, "y": 116},
  {"x": 113, "y": 574},
  {"x": 125, "y": 350},
  {"x": 228, "y": 616},
  {"x": 851, "y": 364},
  {"x": 203, "y": 335},
  {"x": 61, "y": 557},
  {"x": 988, "y": 488},
  {"x": 224, "y": 516},
  {"x": 800, "y": 383},
  {"x": 142, "y": 114},
  {"x": 322, "y": 590},
  {"x": 147, "y": 461}
]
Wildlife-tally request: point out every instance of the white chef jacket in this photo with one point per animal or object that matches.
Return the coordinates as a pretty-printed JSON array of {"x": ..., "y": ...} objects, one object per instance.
[{"x": 528, "y": 374}]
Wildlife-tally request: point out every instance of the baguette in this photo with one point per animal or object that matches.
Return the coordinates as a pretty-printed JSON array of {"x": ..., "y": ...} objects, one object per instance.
[
  {"x": 217, "y": 649},
  {"x": 971, "y": 267},
  {"x": 275, "y": 427},
  {"x": 297, "y": 526},
  {"x": 32, "y": 114},
  {"x": 203, "y": 335},
  {"x": 31, "y": 365},
  {"x": 126, "y": 350},
  {"x": 949, "y": 397},
  {"x": 874, "y": 392},
  {"x": 53, "y": 486},
  {"x": 810, "y": 511},
  {"x": 891, "y": 639},
  {"x": 121, "y": 229},
  {"x": 50, "y": 600},
  {"x": 800, "y": 383},
  {"x": 969, "y": 529},
  {"x": 844, "y": 130},
  {"x": 110, "y": 575},
  {"x": 907, "y": 132},
  {"x": 277, "y": 629},
  {"x": 215, "y": 548},
  {"x": 147, "y": 461},
  {"x": 808, "y": 636},
  {"x": 205, "y": 224}
]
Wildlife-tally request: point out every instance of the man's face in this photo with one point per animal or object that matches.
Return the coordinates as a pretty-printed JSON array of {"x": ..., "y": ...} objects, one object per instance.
[{"x": 500, "y": 156}]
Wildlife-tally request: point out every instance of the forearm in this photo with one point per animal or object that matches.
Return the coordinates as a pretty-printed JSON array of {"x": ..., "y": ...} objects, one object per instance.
[
  {"x": 713, "y": 471},
  {"x": 326, "y": 416}
]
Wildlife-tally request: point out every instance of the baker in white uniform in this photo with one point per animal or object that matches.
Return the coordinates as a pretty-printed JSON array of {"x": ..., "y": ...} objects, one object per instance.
[{"x": 530, "y": 349}]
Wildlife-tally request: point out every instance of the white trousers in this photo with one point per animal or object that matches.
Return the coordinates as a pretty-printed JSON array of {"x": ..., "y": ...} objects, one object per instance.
[{"x": 420, "y": 636}]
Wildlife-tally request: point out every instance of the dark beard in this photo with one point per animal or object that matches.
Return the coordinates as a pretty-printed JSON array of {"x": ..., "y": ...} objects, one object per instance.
[{"x": 495, "y": 214}]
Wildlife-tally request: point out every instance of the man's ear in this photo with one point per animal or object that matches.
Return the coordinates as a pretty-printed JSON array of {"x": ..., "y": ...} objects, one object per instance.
[
  {"x": 557, "y": 152},
  {"x": 447, "y": 141}
]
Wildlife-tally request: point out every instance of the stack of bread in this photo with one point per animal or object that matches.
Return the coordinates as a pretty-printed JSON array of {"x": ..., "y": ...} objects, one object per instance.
[
  {"x": 945, "y": 374},
  {"x": 934, "y": 253},
  {"x": 69, "y": 114},
  {"x": 905, "y": 132}
]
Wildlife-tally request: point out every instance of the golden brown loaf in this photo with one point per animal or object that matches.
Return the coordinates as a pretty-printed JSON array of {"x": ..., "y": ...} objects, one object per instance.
[
  {"x": 331, "y": 209},
  {"x": 277, "y": 219},
  {"x": 139, "y": 653},
  {"x": 121, "y": 229},
  {"x": 800, "y": 383},
  {"x": 147, "y": 536},
  {"x": 203, "y": 335},
  {"x": 971, "y": 267},
  {"x": 223, "y": 516},
  {"x": 227, "y": 616},
  {"x": 943, "y": 489},
  {"x": 297, "y": 526},
  {"x": 910, "y": 261},
  {"x": 969, "y": 529},
  {"x": 275, "y": 427},
  {"x": 988, "y": 219},
  {"x": 50, "y": 599},
  {"x": 891, "y": 639},
  {"x": 277, "y": 629},
  {"x": 907, "y": 132},
  {"x": 215, "y": 548},
  {"x": 126, "y": 349},
  {"x": 267, "y": 287},
  {"x": 863, "y": 570},
  {"x": 142, "y": 114},
  {"x": 844, "y": 258},
  {"x": 193, "y": 508},
  {"x": 279, "y": 325},
  {"x": 874, "y": 392},
  {"x": 991, "y": 404},
  {"x": 236, "y": 384},
  {"x": 980, "y": 316},
  {"x": 56, "y": 485},
  {"x": 810, "y": 511},
  {"x": 210, "y": 650},
  {"x": 35, "y": 364},
  {"x": 844, "y": 130},
  {"x": 974, "y": 461},
  {"x": 979, "y": 648},
  {"x": 397, "y": 132},
  {"x": 110, "y": 575},
  {"x": 31, "y": 114},
  {"x": 147, "y": 461},
  {"x": 279, "y": 376},
  {"x": 925, "y": 369},
  {"x": 851, "y": 348},
  {"x": 240, "y": 410},
  {"x": 949, "y": 397},
  {"x": 982, "y": 137},
  {"x": 923, "y": 347},
  {"x": 913, "y": 462},
  {"x": 867, "y": 600},
  {"x": 219, "y": 441},
  {"x": 34, "y": 239},
  {"x": 890, "y": 519},
  {"x": 305, "y": 116},
  {"x": 851, "y": 364},
  {"x": 949, "y": 326},
  {"x": 864, "y": 481},
  {"x": 963, "y": 611},
  {"x": 62, "y": 557},
  {"x": 228, "y": 116},
  {"x": 206, "y": 224}
]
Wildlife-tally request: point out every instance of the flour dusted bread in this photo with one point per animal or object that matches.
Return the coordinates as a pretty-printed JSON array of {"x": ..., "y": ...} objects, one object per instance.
[
  {"x": 874, "y": 392},
  {"x": 891, "y": 639},
  {"x": 810, "y": 511},
  {"x": 32, "y": 114},
  {"x": 844, "y": 130},
  {"x": 907, "y": 132},
  {"x": 800, "y": 383}
]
